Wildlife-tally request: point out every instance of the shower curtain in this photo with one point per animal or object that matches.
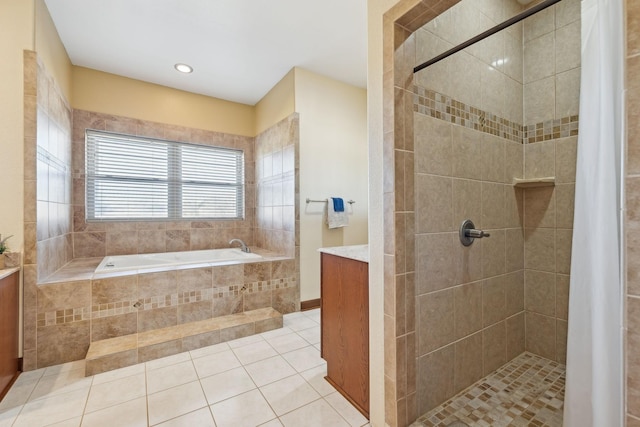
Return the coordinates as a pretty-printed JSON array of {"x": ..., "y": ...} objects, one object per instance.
[{"x": 594, "y": 387}]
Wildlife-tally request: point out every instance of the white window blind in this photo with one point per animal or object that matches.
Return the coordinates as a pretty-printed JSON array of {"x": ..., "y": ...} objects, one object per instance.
[{"x": 137, "y": 178}]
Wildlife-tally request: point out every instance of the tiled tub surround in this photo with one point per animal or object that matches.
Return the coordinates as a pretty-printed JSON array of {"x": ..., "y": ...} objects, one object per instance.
[
  {"x": 82, "y": 307},
  {"x": 99, "y": 239}
]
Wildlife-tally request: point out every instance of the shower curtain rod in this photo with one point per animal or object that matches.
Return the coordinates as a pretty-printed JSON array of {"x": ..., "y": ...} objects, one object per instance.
[{"x": 491, "y": 31}]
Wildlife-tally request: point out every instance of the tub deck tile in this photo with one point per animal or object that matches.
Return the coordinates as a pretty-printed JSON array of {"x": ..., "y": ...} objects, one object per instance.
[{"x": 119, "y": 352}]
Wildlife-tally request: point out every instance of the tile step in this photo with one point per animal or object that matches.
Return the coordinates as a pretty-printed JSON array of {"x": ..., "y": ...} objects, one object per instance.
[{"x": 113, "y": 353}]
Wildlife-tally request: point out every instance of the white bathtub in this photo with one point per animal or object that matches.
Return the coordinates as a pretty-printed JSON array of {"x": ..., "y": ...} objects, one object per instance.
[{"x": 136, "y": 262}]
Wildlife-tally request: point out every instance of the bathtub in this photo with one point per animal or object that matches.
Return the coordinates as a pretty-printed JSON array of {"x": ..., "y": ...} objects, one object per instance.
[{"x": 167, "y": 259}]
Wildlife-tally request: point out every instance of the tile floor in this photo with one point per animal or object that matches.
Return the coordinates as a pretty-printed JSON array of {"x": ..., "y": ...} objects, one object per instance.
[
  {"x": 271, "y": 379},
  {"x": 528, "y": 391}
]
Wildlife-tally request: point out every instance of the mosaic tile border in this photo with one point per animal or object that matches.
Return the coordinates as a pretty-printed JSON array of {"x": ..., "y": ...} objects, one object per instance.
[
  {"x": 443, "y": 107},
  {"x": 77, "y": 314},
  {"x": 528, "y": 391}
]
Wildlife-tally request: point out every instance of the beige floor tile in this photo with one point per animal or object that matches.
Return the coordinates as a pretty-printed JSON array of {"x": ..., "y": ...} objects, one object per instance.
[
  {"x": 169, "y": 360},
  {"x": 117, "y": 374},
  {"x": 200, "y": 418},
  {"x": 315, "y": 377},
  {"x": 170, "y": 376},
  {"x": 64, "y": 367},
  {"x": 63, "y": 381},
  {"x": 73, "y": 422},
  {"x": 304, "y": 358},
  {"x": 301, "y": 323},
  {"x": 288, "y": 394},
  {"x": 317, "y": 414},
  {"x": 269, "y": 370},
  {"x": 226, "y": 384},
  {"x": 115, "y": 392},
  {"x": 241, "y": 342},
  {"x": 311, "y": 335},
  {"x": 287, "y": 343},
  {"x": 18, "y": 394},
  {"x": 209, "y": 350},
  {"x": 254, "y": 352},
  {"x": 273, "y": 423},
  {"x": 275, "y": 333},
  {"x": 346, "y": 410},
  {"x": 174, "y": 402},
  {"x": 132, "y": 413},
  {"x": 53, "y": 409},
  {"x": 9, "y": 415},
  {"x": 245, "y": 410},
  {"x": 216, "y": 363}
]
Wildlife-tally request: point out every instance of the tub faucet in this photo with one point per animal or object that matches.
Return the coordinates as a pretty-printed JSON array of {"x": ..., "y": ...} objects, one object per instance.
[{"x": 243, "y": 245}]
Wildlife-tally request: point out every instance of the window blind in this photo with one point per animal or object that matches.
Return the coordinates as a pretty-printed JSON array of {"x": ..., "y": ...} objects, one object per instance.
[{"x": 137, "y": 178}]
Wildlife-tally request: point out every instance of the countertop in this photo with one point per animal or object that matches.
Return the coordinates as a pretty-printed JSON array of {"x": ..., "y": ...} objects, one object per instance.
[
  {"x": 8, "y": 272},
  {"x": 356, "y": 252}
]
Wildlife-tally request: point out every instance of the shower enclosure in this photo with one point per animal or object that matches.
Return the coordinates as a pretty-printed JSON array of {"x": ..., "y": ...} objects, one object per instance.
[{"x": 487, "y": 134}]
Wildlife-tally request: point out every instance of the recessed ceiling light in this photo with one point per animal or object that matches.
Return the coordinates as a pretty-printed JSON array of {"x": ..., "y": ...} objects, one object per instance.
[{"x": 183, "y": 68}]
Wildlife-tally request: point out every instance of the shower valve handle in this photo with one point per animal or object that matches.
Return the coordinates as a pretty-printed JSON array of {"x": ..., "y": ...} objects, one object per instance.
[{"x": 476, "y": 234}]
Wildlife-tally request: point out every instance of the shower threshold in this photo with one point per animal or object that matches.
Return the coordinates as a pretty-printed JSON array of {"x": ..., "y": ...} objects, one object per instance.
[{"x": 527, "y": 391}]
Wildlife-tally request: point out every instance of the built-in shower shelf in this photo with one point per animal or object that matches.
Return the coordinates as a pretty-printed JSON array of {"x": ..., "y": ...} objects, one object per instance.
[{"x": 548, "y": 181}]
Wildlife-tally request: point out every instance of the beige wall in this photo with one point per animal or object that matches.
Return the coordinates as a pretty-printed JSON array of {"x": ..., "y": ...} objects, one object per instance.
[
  {"x": 277, "y": 104},
  {"x": 17, "y": 23},
  {"x": 51, "y": 50},
  {"x": 110, "y": 94},
  {"x": 333, "y": 144}
]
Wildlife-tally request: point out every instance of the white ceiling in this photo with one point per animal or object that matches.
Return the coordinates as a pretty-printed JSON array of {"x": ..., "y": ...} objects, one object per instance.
[{"x": 239, "y": 49}]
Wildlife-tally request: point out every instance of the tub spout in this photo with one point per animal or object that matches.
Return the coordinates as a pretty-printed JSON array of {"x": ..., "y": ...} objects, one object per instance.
[{"x": 243, "y": 245}]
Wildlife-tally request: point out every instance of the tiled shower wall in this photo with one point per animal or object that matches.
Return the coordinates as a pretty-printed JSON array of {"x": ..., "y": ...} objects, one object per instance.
[
  {"x": 276, "y": 172},
  {"x": 98, "y": 239},
  {"x": 551, "y": 105}
]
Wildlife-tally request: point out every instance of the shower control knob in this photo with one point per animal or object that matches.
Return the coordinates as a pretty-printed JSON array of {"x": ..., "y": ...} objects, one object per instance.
[{"x": 468, "y": 233}]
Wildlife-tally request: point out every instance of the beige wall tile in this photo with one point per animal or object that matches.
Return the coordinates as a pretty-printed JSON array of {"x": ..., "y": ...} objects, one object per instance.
[
  {"x": 157, "y": 318},
  {"x": 114, "y": 289},
  {"x": 539, "y": 101},
  {"x": 633, "y": 262},
  {"x": 467, "y": 149},
  {"x": 192, "y": 279},
  {"x": 493, "y": 158},
  {"x": 515, "y": 335},
  {"x": 540, "y": 207},
  {"x": 122, "y": 243},
  {"x": 194, "y": 311},
  {"x": 285, "y": 300},
  {"x": 566, "y": 12},
  {"x": 228, "y": 275},
  {"x": 539, "y": 58},
  {"x": 514, "y": 249},
  {"x": 514, "y": 161},
  {"x": 434, "y": 253},
  {"x": 566, "y": 154},
  {"x": 563, "y": 250},
  {"x": 493, "y": 254},
  {"x": 435, "y": 378},
  {"x": 114, "y": 326},
  {"x": 562, "y": 296},
  {"x": 64, "y": 295},
  {"x": 494, "y": 300},
  {"x": 493, "y": 205},
  {"x": 514, "y": 288},
  {"x": 561, "y": 341},
  {"x": 567, "y": 93},
  {"x": 228, "y": 305},
  {"x": 539, "y": 24},
  {"x": 467, "y": 201},
  {"x": 539, "y": 159},
  {"x": 514, "y": 207},
  {"x": 468, "y": 366},
  {"x": 157, "y": 284},
  {"x": 434, "y": 204},
  {"x": 436, "y": 310},
  {"x": 62, "y": 343},
  {"x": 633, "y": 356},
  {"x": 467, "y": 261},
  {"x": 539, "y": 249},
  {"x": 433, "y": 153},
  {"x": 567, "y": 48},
  {"x": 467, "y": 309},
  {"x": 540, "y": 296},
  {"x": 541, "y": 335},
  {"x": 152, "y": 241},
  {"x": 494, "y": 343},
  {"x": 565, "y": 201}
]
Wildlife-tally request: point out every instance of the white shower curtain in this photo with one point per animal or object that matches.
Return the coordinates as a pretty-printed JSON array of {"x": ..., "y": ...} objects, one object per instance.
[{"x": 594, "y": 387}]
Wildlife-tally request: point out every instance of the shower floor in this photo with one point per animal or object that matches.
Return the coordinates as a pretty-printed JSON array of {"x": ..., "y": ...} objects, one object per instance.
[{"x": 528, "y": 391}]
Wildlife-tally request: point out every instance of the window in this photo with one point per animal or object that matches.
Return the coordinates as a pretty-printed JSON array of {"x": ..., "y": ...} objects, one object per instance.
[{"x": 138, "y": 178}]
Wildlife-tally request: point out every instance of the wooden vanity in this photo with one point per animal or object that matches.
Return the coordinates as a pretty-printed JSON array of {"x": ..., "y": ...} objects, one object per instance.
[
  {"x": 345, "y": 321},
  {"x": 9, "y": 283}
]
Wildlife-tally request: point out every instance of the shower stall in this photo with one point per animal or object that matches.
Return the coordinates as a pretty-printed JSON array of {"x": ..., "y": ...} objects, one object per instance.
[{"x": 489, "y": 134}]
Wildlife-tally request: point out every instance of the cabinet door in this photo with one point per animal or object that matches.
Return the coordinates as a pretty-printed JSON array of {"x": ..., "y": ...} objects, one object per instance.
[
  {"x": 345, "y": 326},
  {"x": 8, "y": 331}
]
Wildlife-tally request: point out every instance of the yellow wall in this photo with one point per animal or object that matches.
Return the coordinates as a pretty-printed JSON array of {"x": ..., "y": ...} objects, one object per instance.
[
  {"x": 51, "y": 50},
  {"x": 111, "y": 94},
  {"x": 17, "y": 28},
  {"x": 277, "y": 104},
  {"x": 333, "y": 162}
]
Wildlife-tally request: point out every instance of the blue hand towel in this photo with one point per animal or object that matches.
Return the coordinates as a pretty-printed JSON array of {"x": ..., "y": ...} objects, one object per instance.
[{"x": 338, "y": 204}]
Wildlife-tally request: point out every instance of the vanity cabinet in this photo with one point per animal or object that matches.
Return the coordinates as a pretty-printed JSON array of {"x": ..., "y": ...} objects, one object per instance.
[
  {"x": 9, "y": 283},
  {"x": 345, "y": 327}
]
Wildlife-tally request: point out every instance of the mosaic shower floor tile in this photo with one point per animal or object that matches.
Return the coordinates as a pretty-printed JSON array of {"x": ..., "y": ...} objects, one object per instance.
[{"x": 528, "y": 391}]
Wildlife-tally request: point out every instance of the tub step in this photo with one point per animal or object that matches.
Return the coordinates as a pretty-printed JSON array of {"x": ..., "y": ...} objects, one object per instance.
[{"x": 127, "y": 350}]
